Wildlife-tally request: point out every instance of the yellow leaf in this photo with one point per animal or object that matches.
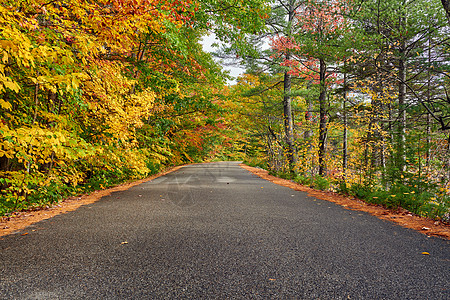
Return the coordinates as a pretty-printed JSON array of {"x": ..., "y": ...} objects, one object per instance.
[
  {"x": 5, "y": 57},
  {"x": 74, "y": 83},
  {"x": 12, "y": 86},
  {"x": 425, "y": 253},
  {"x": 8, "y": 45},
  {"x": 5, "y": 105}
]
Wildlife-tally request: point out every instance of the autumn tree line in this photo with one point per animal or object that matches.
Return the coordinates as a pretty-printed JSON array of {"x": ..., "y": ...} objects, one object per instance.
[
  {"x": 349, "y": 95},
  {"x": 353, "y": 96},
  {"x": 94, "y": 93}
]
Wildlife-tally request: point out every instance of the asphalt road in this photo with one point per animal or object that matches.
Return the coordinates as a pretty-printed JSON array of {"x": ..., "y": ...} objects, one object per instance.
[{"x": 215, "y": 231}]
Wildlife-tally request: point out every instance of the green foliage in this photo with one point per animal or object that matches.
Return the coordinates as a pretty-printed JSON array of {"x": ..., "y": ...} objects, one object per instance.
[
  {"x": 255, "y": 162},
  {"x": 317, "y": 182},
  {"x": 286, "y": 175},
  {"x": 421, "y": 200},
  {"x": 321, "y": 183},
  {"x": 436, "y": 209},
  {"x": 303, "y": 180}
]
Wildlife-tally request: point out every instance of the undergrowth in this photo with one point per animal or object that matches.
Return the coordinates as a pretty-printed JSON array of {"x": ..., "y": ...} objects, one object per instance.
[
  {"x": 35, "y": 192},
  {"x": 415, "y": 195}
]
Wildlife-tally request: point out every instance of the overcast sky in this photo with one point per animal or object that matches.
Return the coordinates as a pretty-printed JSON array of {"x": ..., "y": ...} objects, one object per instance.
[{"x": 234, "y": 71}]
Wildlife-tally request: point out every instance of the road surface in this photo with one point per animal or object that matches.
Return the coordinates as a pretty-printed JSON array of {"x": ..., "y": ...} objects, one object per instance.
[{"x": 215, "y": 231}]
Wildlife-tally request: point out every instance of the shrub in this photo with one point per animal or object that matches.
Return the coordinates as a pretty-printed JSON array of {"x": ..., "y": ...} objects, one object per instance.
[
  {"x": 304, "y": 180},
  {"x": 321, "y": 183},
  {"x": 256, "y": 162},
  {"x": 286, "y": 175}
]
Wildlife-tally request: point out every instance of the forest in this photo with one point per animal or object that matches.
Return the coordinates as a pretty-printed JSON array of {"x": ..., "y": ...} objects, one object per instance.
[{"x": 349, "y": 96}]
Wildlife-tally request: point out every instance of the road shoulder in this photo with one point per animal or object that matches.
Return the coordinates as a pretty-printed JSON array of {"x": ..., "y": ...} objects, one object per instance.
[
  {"x": 20, "y": 220},
  {"x": 402, "y": 217}
]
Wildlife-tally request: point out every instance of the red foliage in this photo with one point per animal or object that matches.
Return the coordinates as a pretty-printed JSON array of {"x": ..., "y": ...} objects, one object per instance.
[{"x": 322, "y": 22}]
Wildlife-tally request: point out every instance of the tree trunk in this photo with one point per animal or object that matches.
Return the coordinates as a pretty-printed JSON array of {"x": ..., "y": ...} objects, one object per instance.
[
  {"x": 446, "y": 177},
  {"x": 446, "y": 5},
  {"x": 402, "y": 114},
  {"x": 323, "y": 119},
  {"x": 345, "y": 135},
  {"x": 36, "y": 99},
  {"x": 427, "y": 162},
  {"x": 308, "y": 133},
  {"x": 308, "y": 117},
  {"x": 288, "y": 121},
  {"x": 428, "y": 153},
  {"x": 401, "y": 155}
]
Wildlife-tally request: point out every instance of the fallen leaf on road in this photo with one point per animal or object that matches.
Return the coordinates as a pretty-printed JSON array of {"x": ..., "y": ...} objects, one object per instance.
[
  {"x": 123, "y": 243},
  {"x": 272, "y": 279},
  {"x": 425, "y": 228},
  {"x": 25, "y": 233},
  {"x": 425, "y": 253}
]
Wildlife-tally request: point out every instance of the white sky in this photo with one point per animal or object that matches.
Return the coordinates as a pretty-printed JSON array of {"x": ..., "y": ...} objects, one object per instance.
[{"x": 234, "y": 71}]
